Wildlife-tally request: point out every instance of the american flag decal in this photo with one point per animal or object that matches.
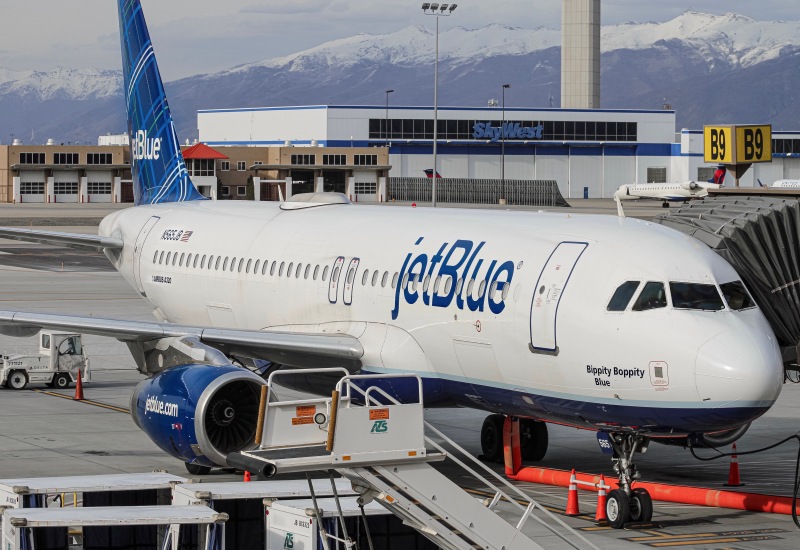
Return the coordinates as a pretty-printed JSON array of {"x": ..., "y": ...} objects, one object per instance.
[{"x": 185, "y": 236}]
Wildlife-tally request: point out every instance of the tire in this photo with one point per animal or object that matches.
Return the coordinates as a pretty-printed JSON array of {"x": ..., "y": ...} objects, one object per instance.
[
  {"x": 618, "y": 508},
  {"x": 533, "y": 439},
  {"x": 664, "y": 205},
  {"x": 61, "y": 381},
  {"x": 492, "y": 438},
  {"x": 197, "y": 469},
  {"x": 17, "y": 380},
  {"x": 641, "y": 506}
]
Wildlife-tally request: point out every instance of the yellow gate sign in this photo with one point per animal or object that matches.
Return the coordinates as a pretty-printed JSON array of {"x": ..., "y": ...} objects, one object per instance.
[{"x": 735, "y": 144}]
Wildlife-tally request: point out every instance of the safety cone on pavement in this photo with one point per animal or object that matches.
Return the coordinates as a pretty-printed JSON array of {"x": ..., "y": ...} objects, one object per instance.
[
  {"x": 572, "y": 496},
  {"x": 246, "y": 475},
  {"x": 733, "y": 472},
  {"x": 600, "y": 514},
  {"x": 79, "y": 388}
]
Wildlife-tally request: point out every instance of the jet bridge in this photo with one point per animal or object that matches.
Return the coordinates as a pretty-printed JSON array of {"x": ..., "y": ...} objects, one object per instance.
[
  {"x": 380, "y": 445},
  {"x": 759, "y": 235}
]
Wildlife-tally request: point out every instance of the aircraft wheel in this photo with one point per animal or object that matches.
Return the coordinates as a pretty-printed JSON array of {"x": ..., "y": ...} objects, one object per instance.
[
  {"x": 664, "y": 205},
  {"x": 197, "y": 469},
  {"x": 492, "y": 438},
  {"x": 61, "y": 381},
  {"x": 641, "y": 506},
  {"x": 17, "y": 380},
  {"x": 618, "y": 508},
  {"x": 533, "y": 439}
]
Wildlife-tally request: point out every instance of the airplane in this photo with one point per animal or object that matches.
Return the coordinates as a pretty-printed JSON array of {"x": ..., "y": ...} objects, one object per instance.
[
  {"x": 617, "y": 326},
  {"x": 671, "y": 192},
  {"x": 429, "y": 174},
  {"x": 783, "y": 184}
]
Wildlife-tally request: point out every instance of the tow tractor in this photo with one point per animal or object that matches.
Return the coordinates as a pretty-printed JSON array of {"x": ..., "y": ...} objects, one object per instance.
[{"x": 61, "y": 359}]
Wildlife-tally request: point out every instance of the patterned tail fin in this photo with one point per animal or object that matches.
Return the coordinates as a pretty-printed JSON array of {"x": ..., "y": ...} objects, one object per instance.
[{"x": 159, "y": 172}]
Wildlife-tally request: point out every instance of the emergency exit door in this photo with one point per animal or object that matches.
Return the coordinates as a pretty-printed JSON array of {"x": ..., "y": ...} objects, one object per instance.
[
  {"x": 547, "y": 294},
  {"x": 137, "y": 252}
]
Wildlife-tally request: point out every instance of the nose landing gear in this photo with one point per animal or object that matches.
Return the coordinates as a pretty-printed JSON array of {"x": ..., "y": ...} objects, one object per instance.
[{"x": 626, "y": 504}]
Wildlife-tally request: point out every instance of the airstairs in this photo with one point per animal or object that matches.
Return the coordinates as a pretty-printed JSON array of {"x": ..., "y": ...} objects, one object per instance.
[{"x": 380, "y": 445}]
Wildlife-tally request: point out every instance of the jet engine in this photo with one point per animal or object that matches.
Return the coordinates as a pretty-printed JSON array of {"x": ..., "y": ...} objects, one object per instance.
[
  {"x": 199, "y": 413},
  {"x": 689, "y": 185}
]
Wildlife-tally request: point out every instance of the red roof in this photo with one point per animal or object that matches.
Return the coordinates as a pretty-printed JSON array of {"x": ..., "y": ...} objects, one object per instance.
[{"x": 202, "y": 151}]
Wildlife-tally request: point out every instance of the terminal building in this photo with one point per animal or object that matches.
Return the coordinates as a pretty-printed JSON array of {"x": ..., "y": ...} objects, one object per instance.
[{"x": 589, "y": 152}]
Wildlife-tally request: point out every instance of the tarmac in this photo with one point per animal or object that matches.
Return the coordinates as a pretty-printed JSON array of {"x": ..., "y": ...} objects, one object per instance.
[{"x": 44, "y": 432}]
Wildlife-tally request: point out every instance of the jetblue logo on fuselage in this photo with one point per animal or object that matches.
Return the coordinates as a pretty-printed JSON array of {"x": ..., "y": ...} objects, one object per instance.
[
  {"x": 509, "y": 130},
  {"x": 460, "y": 261},
  {"x": 145, "y": 148}
]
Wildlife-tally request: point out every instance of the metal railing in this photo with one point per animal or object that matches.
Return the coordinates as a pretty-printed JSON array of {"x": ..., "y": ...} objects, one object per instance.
[{"x": 476, "y": 191}]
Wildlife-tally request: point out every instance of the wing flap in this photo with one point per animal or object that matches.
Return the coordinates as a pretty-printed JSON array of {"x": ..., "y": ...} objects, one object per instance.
[
  {"x": 69, "y": 240},
  {"x": 290, "y": 348}
]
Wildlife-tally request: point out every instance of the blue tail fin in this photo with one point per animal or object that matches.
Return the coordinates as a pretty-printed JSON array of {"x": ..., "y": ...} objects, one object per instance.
[{"x": 159, "y": 172}]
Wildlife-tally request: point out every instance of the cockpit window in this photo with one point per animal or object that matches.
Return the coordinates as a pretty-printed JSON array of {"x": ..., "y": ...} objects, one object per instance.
[
  {"x": 695, "y": 296},
  {"x": 622, "y": 296},
  {"x": 736, "y": 295},
  {"x": 653, "y": 296}
]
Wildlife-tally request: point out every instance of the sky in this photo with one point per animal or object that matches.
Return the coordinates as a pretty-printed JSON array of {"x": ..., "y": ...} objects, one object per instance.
[{"x": 205, "y": 36}]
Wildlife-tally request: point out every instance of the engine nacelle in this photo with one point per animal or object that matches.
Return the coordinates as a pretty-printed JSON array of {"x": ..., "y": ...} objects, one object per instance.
[
  {"x": 690, "y": 185},
  {"x": 199, "y": 413}
]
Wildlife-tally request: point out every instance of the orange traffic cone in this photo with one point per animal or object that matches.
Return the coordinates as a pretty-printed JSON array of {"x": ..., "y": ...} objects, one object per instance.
[
  {"x": 600, "y": 514},
  {"x": 79, "y": 388},
  {"x": 572, "y": 496},
  {"x": 733, "y": 472},
  {"x": 246, "y": 475}
]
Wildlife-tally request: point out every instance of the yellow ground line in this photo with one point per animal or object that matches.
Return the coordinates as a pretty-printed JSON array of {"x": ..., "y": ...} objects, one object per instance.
[
  {"x": 672, "y": 537},
  {"x": 693, "y": 542},
  {"x": 87, "y": 401}
]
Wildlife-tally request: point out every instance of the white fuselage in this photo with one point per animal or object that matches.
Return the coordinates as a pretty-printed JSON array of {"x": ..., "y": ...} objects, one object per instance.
[
  {"x": 786, "y": 184},
  {"x": 664, "y": 191},
  {"x": 539, "y": 342}
]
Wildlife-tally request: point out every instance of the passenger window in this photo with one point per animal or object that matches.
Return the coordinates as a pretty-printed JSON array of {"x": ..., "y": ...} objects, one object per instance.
[
  {"x": 308, "y": 270},
  {"x": 704, "y": 297},
  {"x": 180, "y": 262},
  {"x": 203, "y": 262},
  {"x": 384, "y": 279},
  {"x": 233, "y": 263},
  {"x": 225, "y": 264},
  {"x": 264, "y": 267},
  {"x": 196, "y": 259},
  {"x": 469, "y": 287},
  {"x": 188, "y": 260},
  {"x": 482, "y": 288},
  {"x": 161, "y": 258},
  {"x": 622, "y": 296},
  {"x": 448, "y": 285},
  {"x": 394, "y": 279},
  {"x": 426, "y": 283},
  {"x": 169, "y": 255},
  {"x": 436, "y": 284},
  {"x": 335, "y": 275},
  {"x": 459, "y": 286},
  {"x": 506, "y": 288},
  {"x": 404, "y": 284},
  {"x": 249, "y": 262},
  {"x": 493, "y": 288},
  {"x": 288, "y": 271},
  {"x": 280, "y": 269},
  {"x": 216, "y": 264},
  {"x": 46, "y": 341},
  {"x": 155, "y": 256},
  {"x": 350, "y": 276},
  {"x": 316, "y": 271},
  {"x": 241, "y": 264},
  {"x": 297, "y": 271},
  {"x": 364, "y": 277},
  {"x": 272, "y": 269},
  {"x": 174, "y": 258},
  {"x": 210, "y": 261},
  {"x": 375, "y": 277},
  {"x": 325, "y": 273},
  {"x": 652, "y": 296},
  {"x": 737, "y": 296}
]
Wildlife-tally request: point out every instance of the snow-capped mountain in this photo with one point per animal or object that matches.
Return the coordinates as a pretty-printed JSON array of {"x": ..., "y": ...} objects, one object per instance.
[{"x": 711, "y": 68}]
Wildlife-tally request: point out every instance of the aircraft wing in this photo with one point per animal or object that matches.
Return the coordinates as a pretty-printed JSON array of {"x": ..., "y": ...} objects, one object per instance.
[
  {"x": 288, "y": 348},
  {"x": 69, "y": 240}
]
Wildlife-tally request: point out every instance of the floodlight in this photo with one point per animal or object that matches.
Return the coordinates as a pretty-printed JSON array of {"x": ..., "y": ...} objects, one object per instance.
[
  {"x": 443, "y": 7},
  {"x": 434, "y": 7},
  {"x": 452, "y": 7},
  {"x": 426, "y": 5}
]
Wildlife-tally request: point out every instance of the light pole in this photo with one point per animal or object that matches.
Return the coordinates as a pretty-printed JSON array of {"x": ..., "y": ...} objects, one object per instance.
[
  {"x": 503, "y": 149},
  {"x": 387, "y": 118},
  {"x": 438, "y": 11}
]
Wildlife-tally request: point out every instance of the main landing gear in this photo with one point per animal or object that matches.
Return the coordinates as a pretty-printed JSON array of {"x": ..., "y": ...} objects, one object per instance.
[
  {"x": 625, "y": 504},
  {"x": 532, "y": 434}
]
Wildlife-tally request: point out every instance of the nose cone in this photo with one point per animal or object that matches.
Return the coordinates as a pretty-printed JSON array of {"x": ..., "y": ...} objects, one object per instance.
[{"x": 741, "y": 367}]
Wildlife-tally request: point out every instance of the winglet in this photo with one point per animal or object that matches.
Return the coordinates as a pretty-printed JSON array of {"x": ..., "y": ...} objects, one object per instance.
[
  {"x": 620, "y": 211},
  {"x": 280, "y": 194}
]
